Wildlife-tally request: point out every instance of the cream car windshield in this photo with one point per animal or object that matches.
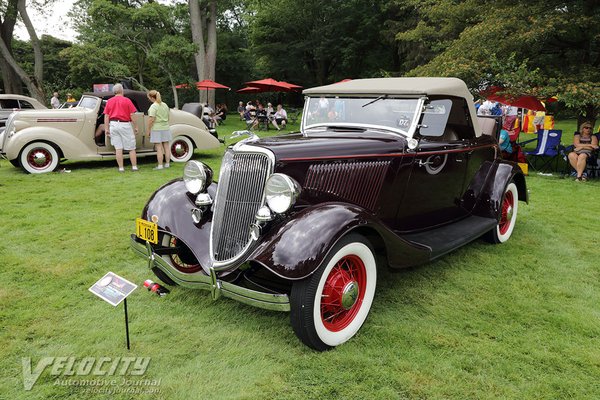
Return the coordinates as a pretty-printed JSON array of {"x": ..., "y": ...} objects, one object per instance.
[
  {"x": 88, "y": 102},
  {"x": 393, "y": 114}
]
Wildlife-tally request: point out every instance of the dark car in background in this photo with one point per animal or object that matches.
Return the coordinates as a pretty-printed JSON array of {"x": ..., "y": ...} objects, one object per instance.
[{"x": 385, "y": 173}]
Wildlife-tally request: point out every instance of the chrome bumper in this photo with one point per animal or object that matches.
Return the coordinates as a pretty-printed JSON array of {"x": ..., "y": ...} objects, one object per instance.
[{"x": 217, "y": 288}]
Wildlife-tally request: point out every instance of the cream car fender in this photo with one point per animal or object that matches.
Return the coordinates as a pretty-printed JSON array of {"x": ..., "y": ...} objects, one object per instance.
[
  {"x": 67, "y": 144},
  {"x": 201, "y": 138}
]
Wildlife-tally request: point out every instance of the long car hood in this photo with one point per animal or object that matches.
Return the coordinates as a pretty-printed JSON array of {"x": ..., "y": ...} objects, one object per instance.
[
  {"x": 38, "y": 116},
  {"x": 333, "y": 144}
]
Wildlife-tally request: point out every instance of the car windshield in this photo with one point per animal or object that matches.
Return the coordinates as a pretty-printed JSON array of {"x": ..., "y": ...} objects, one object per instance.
[
  {"x": 88, "y": 102},
  {"x": 394, "y": 114}
]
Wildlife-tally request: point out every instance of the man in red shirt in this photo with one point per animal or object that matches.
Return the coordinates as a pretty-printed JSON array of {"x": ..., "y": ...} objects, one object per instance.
[{"x": 118, "y": 123}]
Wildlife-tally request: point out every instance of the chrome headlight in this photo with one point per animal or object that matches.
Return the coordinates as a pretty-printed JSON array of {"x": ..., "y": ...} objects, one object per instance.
[
  {"x": 281, "y": 192},
  {"x": 197, "y": 176}
]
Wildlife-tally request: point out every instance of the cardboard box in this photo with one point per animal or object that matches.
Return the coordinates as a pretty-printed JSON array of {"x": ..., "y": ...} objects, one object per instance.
[{"x": 524, "y": 168}]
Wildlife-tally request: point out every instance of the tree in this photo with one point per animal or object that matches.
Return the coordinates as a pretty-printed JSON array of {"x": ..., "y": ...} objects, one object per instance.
[
  {"x": 540, "y": 48},
  {"x": 318, "y": 42},
  {"x": 10, "y": 80},
  {"x": 34, "y": 83},
  {"x": 203, "y": 23},
  {"x": 146, "y": 36}
]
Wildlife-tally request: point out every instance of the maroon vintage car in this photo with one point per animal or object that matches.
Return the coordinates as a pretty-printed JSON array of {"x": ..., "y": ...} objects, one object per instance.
[{"x": 397, "y": 167}]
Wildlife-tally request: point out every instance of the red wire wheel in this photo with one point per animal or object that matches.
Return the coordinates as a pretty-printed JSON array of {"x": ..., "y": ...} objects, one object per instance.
[
  {"x": 508, "y": 204},
  {"x": 507, "y": 217},
  {"x": 184, "y": 260},
  {"x": 343, "y": 293}
]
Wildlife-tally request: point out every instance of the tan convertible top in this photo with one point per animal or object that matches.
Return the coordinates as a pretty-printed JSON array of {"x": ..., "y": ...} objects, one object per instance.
[
  {"x": 401, "y": 86},
  {"x": 395, "y": 86}
]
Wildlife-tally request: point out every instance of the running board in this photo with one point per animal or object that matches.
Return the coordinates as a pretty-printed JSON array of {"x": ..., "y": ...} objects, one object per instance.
[{"x": 449, "y": 237}]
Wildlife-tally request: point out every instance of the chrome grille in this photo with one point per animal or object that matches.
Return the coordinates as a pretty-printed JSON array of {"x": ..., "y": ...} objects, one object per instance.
[
  {"x": 239, "y": 196},
  {"x": 358, "y": 182}
]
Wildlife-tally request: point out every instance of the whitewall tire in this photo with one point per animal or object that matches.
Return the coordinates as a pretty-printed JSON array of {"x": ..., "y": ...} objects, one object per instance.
[
  {"x": 182, "y": 149},
  {"x": 508, "y": 215},
  {"x": 329, "y": 307},
  {"x": 39, "y": 158}
]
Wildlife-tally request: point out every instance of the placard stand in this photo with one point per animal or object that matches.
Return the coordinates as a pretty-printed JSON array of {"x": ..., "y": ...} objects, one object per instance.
[
  {"x": 126, "y": 322},
  {"x": 114, "y": 289}
]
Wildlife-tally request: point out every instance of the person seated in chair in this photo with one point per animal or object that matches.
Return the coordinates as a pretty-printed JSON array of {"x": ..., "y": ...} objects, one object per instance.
[
  {"x": 250, "y": 118},
  {"x": 280, "y": 118},
  {"x": 583, "y": 145},
  {"x": 270, "y": 112},
  {"x": 100, "y": 135},
  {"x": 221, "y": 114},
  {"x": 505, "y": 146},
  {"x": 241, "y": 110},
  {"x": 261, "y": 116}
]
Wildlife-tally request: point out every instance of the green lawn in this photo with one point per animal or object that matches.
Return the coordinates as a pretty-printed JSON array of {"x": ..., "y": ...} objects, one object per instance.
[{"x": 514, "y": 321}]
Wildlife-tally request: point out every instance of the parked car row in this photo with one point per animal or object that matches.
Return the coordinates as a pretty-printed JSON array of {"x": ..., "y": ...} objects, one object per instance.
[
  {"x": 390, "y": 172},
  {"x": 37, "y": 139}
]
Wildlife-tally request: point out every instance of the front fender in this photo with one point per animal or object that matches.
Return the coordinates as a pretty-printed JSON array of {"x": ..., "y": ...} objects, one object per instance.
[
  {"x": 296, "y": 248},
  {"x": 22, "y": 138},
  {"x": 171, "y": 205}
]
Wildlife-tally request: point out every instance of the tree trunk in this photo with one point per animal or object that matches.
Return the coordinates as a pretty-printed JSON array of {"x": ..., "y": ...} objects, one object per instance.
[
  {"x": 38, "y": 67},
  {"x": 211, "y": 49},
  {"x": 589, "y": 114},
  {"x": 197, "y": 28},
  {"x": 35, "y": 90},
  {"x": 12, "y": 83}
]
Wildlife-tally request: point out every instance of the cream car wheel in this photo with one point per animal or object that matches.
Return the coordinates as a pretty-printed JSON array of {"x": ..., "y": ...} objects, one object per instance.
[
  {"x": 182, "y": 149},
  {"x": 39, "y": 158}
]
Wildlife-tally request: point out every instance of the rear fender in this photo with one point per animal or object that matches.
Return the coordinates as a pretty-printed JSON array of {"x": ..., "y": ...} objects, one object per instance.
[
  {"x": 499, "y": 176},
  {"x": 202, "y": 138}
]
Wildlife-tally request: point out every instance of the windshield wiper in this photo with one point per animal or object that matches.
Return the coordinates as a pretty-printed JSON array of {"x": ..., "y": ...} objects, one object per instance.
[{"x": 384, "y": 96}]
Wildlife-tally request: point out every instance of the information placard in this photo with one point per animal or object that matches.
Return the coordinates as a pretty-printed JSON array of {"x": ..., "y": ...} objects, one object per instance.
[{"x": 112, "y": 288}]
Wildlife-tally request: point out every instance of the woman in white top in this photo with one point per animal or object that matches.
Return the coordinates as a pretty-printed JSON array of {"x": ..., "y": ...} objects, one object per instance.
[{"x": 280, "y": 117}]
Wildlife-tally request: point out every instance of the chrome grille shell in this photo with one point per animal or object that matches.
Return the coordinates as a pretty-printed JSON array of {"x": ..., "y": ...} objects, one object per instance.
[{"x": 240, "y": 193}]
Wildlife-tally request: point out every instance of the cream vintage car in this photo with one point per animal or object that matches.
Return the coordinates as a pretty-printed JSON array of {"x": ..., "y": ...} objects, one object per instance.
[{"x": 37, "y": 140}]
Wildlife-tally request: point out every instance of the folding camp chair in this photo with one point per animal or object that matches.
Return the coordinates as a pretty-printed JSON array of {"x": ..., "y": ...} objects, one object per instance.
[{"x": 548, "y": 148}]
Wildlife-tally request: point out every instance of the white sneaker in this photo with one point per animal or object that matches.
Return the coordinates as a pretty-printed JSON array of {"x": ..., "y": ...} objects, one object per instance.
[
  {"x": 159, "y": 167},
  {"x": 167, "y": 165},
  {"x": 134, "y": 168}
]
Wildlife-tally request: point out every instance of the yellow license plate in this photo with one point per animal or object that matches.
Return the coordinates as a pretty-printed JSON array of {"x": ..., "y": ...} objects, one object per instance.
[{"x": 146, "y": 230}]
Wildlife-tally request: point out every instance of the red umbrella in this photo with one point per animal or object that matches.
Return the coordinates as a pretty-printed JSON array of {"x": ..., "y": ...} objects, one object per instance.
[
  {"x": 249, "y": 89},
  {"x": 210, "y": 84},
  {"x": 270, "y": 85},
  {"x": 525, "y": 101},
  {"x": 290, "y": 85}
]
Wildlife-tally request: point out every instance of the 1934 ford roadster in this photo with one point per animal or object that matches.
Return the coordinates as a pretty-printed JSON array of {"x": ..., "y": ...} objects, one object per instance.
[{"x": 397, "y": 167}]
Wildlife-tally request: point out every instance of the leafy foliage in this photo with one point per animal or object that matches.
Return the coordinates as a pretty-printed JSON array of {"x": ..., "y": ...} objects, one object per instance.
[
  {"x": 317, "y": 42},
  {"x": 541, "y": 48}
]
